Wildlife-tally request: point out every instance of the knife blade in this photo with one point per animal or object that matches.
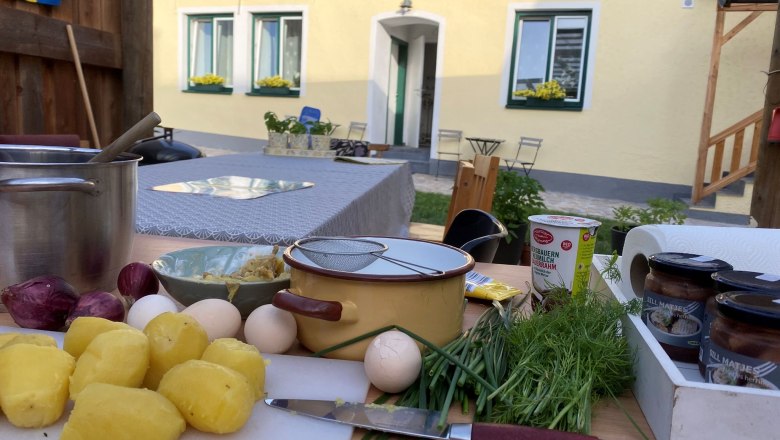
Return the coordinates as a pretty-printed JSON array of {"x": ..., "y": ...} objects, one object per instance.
[{"x": 413, "y": 421}]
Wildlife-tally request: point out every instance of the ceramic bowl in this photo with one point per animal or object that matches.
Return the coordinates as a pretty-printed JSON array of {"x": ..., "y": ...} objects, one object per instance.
[{"x": 181, "y": 274}]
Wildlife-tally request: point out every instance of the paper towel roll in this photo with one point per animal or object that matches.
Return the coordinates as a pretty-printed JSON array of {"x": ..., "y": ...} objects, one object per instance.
[{"x": 751, "y": 249}]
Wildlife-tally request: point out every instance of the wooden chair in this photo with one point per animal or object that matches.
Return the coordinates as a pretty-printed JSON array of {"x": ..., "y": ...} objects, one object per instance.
[
  {"x": 475, "y": 184},
  {"x": 527, "y": 164}
]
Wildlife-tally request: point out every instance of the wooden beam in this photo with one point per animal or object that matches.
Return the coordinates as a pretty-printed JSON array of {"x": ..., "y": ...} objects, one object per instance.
[
  {"x": 137, "y": 79},
  {"x": 741, "y": 25},
  {"x": 765, "y": 206},
  {"x": 748, "y": 7},
  {"x": 26, "y": 33},
  {"x": 709, "y": 104}
]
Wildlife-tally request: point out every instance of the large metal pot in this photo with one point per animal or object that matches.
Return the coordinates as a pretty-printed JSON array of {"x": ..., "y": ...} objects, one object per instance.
[
  {"x": 62, "y": 216},
  {"x": 332, "y": 306}
]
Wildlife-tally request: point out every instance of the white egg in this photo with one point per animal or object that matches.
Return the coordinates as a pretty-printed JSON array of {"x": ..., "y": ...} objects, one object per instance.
[
  {"x": 270, "y": 329},
  {"x": 147, "y": 308},
  {"x": 220, "y": 318},
  {"x": 392, "y": 361}
]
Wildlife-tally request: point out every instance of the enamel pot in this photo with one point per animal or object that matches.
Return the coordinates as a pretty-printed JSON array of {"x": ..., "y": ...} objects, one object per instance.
[{"x": 332, "y": 306}]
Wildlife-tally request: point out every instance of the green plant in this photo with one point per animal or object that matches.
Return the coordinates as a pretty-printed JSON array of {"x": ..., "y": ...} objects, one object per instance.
[
  {"x": 297, "y": 127},
  {"x": 208, "y": 79},
  {"x": 276, "y": 125},
  {"x": 515, "y": 198},
  {"x": 547, "y": 90},
  {"x": 321, "y": 128},
  {"x": 274, "y": 81},
  {"x": 658, "y": 211}
]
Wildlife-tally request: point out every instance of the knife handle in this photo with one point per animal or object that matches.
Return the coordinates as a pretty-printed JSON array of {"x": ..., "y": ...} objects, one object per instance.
[{"x": 492, "y": 431}]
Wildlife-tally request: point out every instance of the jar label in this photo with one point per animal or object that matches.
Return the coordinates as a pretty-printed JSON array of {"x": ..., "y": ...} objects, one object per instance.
[
  {"x": 673, "y": 321},
  {"x": 728, "y": 368},
  {"x": 705, "y": 334}
]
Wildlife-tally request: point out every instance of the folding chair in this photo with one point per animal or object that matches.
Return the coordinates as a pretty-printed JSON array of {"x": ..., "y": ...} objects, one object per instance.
[
  {"x": 357, "y": 127},
  {"x": 475, "y": 184},
  {"x": 309, "y": 115},
  {"x": 454, "y": 136},
  {"x": 527, "y": 165}
]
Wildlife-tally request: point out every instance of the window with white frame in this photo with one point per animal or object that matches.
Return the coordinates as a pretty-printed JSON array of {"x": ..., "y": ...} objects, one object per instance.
[
  {"x": 276, "y": 48},
  {"x": 550, "y": 45},
  {"x": 210, "y": 43}
]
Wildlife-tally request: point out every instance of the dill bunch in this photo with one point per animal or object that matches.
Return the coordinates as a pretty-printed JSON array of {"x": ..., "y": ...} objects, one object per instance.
[{"x": 562, "y": 358}]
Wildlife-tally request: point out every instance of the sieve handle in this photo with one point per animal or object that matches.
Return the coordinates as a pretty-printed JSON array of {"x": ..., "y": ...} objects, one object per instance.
[{"x": 345, "y": 312}]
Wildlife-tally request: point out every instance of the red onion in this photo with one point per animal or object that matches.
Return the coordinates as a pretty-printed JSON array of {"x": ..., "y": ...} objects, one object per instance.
[
  {"x": 137, "y": 280},
  {"x": 100, "y": 304},
  {"x": 41, "y": 303}
]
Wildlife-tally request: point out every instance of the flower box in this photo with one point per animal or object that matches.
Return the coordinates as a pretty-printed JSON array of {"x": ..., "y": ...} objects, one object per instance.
[
  {"x": 273, "y": 90},
  {"x": 538, "y": 102},
  {"x": 675, "y": 400},
  {"x": 207, "y": 87}
]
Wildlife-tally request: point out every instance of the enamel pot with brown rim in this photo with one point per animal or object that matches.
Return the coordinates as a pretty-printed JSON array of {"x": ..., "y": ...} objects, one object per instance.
[{"x": 332, "y": 306}]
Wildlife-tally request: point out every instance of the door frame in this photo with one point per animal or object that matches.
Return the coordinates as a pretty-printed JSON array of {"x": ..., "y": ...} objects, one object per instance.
[{"x": 378, "y": 75}]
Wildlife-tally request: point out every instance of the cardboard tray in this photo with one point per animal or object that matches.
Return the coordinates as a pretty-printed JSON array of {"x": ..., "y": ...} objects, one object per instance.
[{"x": 676, "y": 402}]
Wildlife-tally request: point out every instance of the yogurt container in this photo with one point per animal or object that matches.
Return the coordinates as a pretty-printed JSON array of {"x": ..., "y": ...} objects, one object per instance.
[{"x": 561, "y": 251}]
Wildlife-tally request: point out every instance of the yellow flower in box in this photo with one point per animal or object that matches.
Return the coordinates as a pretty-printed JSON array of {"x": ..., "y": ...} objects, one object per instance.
[
  {"x": 546, "y": 91},
  {"x": 274, "y": 81},
  {"x": 208, "y": 79}
]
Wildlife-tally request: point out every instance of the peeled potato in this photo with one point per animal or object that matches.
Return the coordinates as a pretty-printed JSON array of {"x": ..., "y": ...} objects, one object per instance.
[
  {"x": 242, "y": 357},
  {"x": 119, "y": 357},
  {"x": 34, "y": 384},
  {"x": 83, "y": 329},
  {"x": 173, "y": 338},
  {"x": 32, "y": 338},
  {"x": 212, "y": 398},
  {"x": 104, "y": 411}
]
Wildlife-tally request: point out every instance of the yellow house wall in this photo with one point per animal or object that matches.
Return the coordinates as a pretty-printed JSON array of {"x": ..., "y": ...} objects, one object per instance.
[{"x": 649, "y": 78}]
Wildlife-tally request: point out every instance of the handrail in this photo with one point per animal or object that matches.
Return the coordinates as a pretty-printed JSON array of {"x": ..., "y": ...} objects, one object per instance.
[{"x": 736, "y": 170}]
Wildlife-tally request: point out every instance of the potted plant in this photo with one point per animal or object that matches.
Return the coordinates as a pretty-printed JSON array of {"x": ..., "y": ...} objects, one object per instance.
[
  {"x": 658, "y": 211},
  {"x": 277, "y": 130},
  {"x": 516, "y": 197},
  {"x": 209, "y": 82},
  {"x": 274, "y": 85},
  {"x": 546, "y": 94},
  {"x": 299, "y": 137},
  {"x": 320, "y": 135}
]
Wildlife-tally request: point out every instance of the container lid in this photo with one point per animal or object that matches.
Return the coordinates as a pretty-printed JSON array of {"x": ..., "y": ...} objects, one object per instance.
[
  {"x": 681, "y": 264},
  {"x": 565, "y": 221},
  {"x": 761, "y": 309},
  {"x": 729, "y": 280},
  {"x": 449, "y": 261}
]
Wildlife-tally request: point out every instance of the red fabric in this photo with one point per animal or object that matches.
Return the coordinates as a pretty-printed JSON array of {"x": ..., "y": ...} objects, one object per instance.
[
  {"x": 51, "y": 140},
  {"x": 487, "y": 431}
]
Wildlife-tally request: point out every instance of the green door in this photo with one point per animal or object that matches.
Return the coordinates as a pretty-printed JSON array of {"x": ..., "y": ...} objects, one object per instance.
[{"x": 400, "y": 93}]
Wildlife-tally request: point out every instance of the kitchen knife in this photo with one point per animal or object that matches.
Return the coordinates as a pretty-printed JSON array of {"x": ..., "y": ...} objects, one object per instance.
[{"x": 413, "y": 422}]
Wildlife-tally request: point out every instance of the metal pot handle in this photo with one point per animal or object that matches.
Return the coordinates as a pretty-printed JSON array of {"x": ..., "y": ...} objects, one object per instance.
[
  {"x": 34, "y": 184},
  {"x": 345, "y": 312}
]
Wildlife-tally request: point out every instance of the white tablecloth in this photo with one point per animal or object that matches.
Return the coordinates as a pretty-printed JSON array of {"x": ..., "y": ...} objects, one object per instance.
[{"x": 347, "y": 199}]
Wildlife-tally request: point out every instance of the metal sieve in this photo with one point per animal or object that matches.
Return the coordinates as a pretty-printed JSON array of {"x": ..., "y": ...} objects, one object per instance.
[{"x": 350, "y": 254}]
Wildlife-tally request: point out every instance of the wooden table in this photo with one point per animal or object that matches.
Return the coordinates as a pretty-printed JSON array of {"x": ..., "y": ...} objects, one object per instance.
[{"x": 609, "y": 420}]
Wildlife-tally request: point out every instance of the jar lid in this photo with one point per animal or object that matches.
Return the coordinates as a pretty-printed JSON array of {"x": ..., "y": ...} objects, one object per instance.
[
  {"x": 681, "y": 264},
  {"x": 728, "y": 280},
  {"x": 761, "y": 309}
]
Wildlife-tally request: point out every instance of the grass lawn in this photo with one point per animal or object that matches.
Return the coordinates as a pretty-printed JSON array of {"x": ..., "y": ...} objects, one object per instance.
[{"x": 431, "y": 208}]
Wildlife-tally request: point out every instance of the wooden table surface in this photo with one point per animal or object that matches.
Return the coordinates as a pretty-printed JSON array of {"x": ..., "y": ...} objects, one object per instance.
[{"x": 609, "y": 420}]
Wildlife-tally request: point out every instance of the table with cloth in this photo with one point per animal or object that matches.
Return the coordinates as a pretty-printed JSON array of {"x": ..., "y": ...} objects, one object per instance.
[{"x": 346, "y": 199}]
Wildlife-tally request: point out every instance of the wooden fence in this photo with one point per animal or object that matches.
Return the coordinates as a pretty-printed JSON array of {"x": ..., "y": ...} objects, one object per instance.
[{"x": 39, "y": 88}]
